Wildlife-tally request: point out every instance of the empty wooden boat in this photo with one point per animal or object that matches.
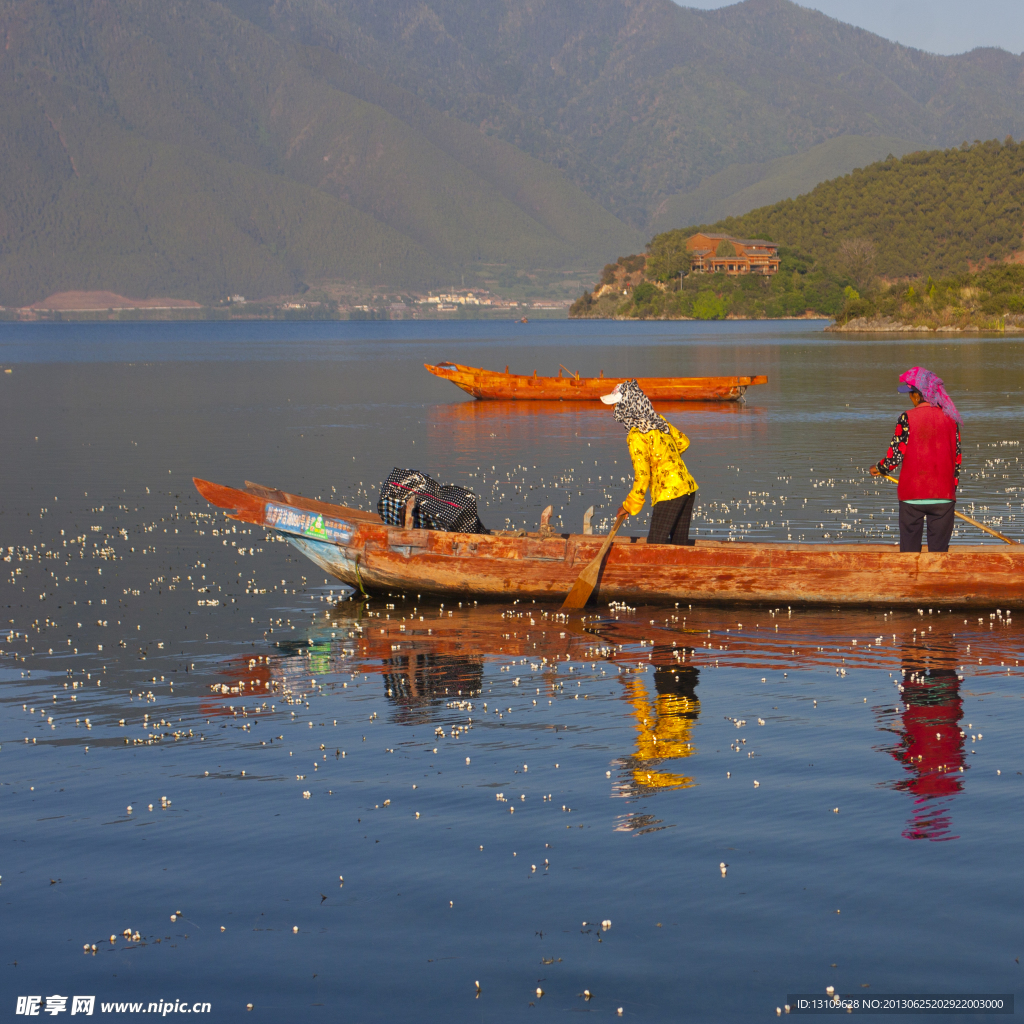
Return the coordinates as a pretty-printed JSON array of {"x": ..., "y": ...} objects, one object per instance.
[
  {"x": 490, "y": 384},
  {"x": 360, "y": 550}
]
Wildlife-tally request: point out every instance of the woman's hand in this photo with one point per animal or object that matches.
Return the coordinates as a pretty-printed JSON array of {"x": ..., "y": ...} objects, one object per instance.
[
  {"x": 622, "y": 513},
  {"x": 875, "y": 471}
]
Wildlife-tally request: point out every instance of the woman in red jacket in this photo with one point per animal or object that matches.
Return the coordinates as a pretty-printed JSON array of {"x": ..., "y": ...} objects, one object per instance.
[{"x": 926, "y": 443}]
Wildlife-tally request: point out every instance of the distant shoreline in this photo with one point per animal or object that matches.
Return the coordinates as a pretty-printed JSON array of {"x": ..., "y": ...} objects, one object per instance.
[
  {"x": 196, "y": 313},
  {"x": 697, "y": 320},
  {"x": 213, "y": 314},
  {"x": 315, "y": 305},
  {"x": 254, "y": 311},
  {"x": 890, "y": 325}
]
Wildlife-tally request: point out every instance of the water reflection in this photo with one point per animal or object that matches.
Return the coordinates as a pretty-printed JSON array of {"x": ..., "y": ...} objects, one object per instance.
[
  {"x": 500, "y": 411},
  {"x": 413, "y": 682},
  {"x": 432, "y": 662},
  {"x": 243, "y": 677},
  {"x": 477, "y": 427},
  {"x": 664, "y": 724},
  {"x": 931, "y": 745}
]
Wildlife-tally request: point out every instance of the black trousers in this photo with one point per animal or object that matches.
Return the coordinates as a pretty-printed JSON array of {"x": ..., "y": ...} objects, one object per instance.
[
  {"x": 940, "y": 525},
  {"x": 670, "y": 521}
]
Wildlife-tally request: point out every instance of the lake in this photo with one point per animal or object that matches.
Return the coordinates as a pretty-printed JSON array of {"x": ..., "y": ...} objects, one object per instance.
[{"x": 389, "y": 809}]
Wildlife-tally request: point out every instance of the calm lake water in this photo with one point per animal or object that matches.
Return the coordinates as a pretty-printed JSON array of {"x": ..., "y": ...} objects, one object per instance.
[{"x": 358, "y": 811}]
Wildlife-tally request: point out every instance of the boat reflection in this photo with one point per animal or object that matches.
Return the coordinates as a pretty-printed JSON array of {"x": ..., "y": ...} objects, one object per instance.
[
  {"x": 243, "y": 677},
  {"x": 468, "y": 428},
  {"x": 495, "y": 411},
  {"x": 433, "y": 662},
  {"x": 931, "y": 744}
]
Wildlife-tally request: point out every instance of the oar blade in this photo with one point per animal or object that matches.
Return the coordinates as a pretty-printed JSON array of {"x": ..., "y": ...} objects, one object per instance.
[
  {"x": 584, "y": 585},
  {"x": 578, "y": 597}
]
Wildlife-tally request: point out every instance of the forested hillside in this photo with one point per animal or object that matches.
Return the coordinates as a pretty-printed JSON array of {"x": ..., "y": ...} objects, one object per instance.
[
  {"x": 927, "y": 213},
  {"x": 859, "y": 244}
]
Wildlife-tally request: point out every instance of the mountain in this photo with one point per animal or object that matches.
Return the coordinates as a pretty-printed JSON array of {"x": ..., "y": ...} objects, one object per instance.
[
  {"x": 640, "y": 100},
  {"x": 262, "y": 146},
  {"x": 175, "y": 148},
  {"x": 744, "y": 187}
]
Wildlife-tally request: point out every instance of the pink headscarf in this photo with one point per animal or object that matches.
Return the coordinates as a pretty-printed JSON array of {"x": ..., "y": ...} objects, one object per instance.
[{"x": 930, "y": 386}]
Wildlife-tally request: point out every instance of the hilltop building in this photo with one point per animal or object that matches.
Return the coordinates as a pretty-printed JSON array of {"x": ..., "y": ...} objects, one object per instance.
[{"x": 748, "y": 256}]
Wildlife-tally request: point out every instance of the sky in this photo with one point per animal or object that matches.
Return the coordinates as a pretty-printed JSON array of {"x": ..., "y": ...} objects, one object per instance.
[{"x": 938, "y": 26}]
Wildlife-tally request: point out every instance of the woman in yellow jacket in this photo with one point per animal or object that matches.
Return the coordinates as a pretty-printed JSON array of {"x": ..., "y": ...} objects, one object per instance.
[{"x": 656, "y": 448}]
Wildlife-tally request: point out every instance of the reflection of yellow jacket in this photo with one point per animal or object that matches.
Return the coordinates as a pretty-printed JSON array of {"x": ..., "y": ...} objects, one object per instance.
[
  {"x": 663, "y": 734},
  {"x": 658, "y": 464}
]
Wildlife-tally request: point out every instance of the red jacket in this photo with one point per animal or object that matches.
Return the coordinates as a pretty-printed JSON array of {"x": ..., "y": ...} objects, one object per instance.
[{"x": 929, "y": 459}]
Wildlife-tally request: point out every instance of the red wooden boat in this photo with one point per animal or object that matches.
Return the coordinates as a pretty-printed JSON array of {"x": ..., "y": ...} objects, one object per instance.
[
  {"x": 360, "y": 550},
  {"x": 574, "y": 388}
]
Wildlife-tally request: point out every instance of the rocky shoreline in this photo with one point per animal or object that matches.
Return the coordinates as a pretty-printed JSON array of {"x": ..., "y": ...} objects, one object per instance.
[
  {"x": 890, "y": 325},
  {"x": 729, "y": 318}
]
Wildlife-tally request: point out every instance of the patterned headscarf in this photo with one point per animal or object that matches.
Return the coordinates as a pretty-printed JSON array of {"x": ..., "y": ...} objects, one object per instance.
[
  {"x": 930, "y": 386},
  {"x": 634, "y": 409}
]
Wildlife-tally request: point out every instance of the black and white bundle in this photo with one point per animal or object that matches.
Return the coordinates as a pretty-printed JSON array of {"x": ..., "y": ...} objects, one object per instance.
[{"x": 437, "y": 506}]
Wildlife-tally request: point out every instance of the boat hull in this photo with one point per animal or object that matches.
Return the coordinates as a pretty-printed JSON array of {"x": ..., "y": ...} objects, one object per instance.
[
  {"x": 358, "y": 549},
  {"x": 488, "y": 384}
]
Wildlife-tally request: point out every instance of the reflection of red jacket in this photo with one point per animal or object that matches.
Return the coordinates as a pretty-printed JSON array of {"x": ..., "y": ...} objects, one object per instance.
[{"x": 932, "y": 749}]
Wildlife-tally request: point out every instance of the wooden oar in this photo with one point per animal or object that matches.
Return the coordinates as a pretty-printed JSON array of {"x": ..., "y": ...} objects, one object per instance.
[
  {"x": 584, "y": 586},
  {"x": 966, "y": 519}
]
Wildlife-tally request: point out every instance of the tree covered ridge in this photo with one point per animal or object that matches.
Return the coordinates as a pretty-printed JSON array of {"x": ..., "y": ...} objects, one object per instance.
[
  {"x": 936, "y": 212},
  {"x": 924, "y": 239},
  {"x": 801, "y": 287}
]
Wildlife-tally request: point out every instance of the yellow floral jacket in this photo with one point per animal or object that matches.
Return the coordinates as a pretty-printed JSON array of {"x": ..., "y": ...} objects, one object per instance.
[{"x": 657, "y": 464}]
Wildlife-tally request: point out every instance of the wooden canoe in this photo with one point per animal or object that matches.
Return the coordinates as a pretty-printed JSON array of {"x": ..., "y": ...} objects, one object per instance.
[
  {"x": 573, "y": 388},
  {"x": 360, "y": 550}
]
